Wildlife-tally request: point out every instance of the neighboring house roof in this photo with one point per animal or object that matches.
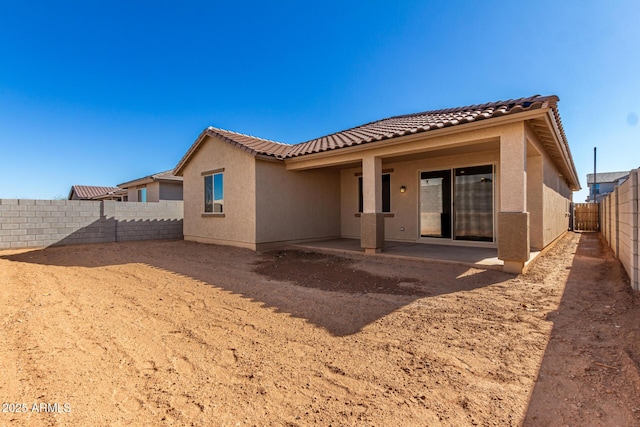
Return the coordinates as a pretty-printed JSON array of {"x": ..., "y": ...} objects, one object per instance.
[
  {"x": 606, "y": 177},
  {"x": 407, "y": 124},
  {"x": 87, "y": 192},
  {"x": 166, "y": 176},
  {"x": 120, "y": 192}
]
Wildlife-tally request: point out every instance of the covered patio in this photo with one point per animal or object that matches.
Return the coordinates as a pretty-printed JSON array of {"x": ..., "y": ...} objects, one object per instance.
[{"x": 478, "y": 257}]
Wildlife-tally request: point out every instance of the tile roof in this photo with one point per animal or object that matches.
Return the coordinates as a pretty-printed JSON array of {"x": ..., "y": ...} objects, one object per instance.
[
  {"x": 160, "y": 176},
  {"x": 384, "y": 129},
  {"x": 248, "y": 143},
  {"x": 166, "y": 175},
  {"x": 90, "y": 191},
  {"x": 252, "y": 144},
  {"x": 402, "y": 125},
  {"x": 419, "y": 122},
  {"x": 607, "y": 177}
]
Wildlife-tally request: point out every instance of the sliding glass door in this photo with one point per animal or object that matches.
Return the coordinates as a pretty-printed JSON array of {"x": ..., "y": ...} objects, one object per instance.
[
  {"x": 457, "y": 203},
  {"x": 435, "y": 204},
  {"x": 473, "y": 203}
]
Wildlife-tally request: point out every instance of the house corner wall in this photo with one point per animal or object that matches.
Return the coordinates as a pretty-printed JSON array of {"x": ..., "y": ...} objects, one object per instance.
[
  {"x": 556, "y": 202},
  {"x": 170, "y": 191},
  {"x": 132, "y": 194},
  {"x": 237, "y": 225},
  {"x": 153, "y": 192},
  {"x": 295, "y": 205},
  {"x": 535, "y": 201}
]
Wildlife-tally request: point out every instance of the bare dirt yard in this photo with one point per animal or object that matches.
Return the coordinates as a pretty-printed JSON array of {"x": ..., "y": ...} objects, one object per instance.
[{"x": 179, "y": 333}]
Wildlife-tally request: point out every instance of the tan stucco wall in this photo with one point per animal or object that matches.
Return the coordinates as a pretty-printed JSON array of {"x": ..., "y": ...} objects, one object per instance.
[
  {"x": 153, "y": 192},
  {"x": 535, "y": 201},
  {"x": 238, "y": 225},
  {"x": 349, "y": 224},
  {"x": 556, "y": 199},
  {"x": 132, "y": 194},
  {"x": 404, "y": 206},
  {"x": 513, "y": 162},
  {"x": 298, "y": 205},
  {"x": 548, "y": 195},
  {"x": 170, "y": 191}
]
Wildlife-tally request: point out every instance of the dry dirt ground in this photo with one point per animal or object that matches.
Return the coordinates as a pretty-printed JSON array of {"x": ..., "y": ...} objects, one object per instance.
[{"x": 179, "y": 333}]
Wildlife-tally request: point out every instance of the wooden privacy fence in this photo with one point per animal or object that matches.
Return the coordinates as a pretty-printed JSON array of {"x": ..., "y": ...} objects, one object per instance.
[{"x": 586, "y": 216}]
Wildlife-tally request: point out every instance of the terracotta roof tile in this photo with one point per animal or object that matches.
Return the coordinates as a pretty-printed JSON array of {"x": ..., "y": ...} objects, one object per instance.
[
  {"x": 384, "y": 129},
  {"x": 252, "y": 144},
  {"x": 393, "y": 127},
  {"x": 91, "y": 191}
]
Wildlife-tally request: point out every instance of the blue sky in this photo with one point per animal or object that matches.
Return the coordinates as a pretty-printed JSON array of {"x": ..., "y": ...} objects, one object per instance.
[{"x": 100, "y": 93}]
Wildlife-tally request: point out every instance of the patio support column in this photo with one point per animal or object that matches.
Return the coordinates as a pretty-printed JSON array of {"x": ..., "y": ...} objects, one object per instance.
[
  {"x": 372, "y": 218},
  {"x": 513, "y": 218}
]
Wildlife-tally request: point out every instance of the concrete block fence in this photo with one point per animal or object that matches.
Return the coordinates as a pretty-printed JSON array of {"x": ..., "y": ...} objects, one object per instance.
[
  {"x": 619, "y": 224},
  {"x": 37, "y": 223}
]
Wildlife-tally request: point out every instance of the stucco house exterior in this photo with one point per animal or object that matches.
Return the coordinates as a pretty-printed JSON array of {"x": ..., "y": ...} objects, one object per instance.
[
  {"x": 153, "y": 188},
  {"x": 498, "y": 174}
]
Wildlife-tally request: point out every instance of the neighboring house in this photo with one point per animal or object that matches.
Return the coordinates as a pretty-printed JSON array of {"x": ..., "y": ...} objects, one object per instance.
[
  {"x": 153, "y": 188},
  {"x": 605, "y": 183},
  {"x": 92, "y": 192},
  {"x": 498, "y": 174},
  {"x": 119, "y": 195}
]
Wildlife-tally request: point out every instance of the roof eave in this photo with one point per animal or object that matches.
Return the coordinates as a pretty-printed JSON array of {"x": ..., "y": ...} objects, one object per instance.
[
  {"x": 136, "y": 182},
  {"x": 562, "y": 144},
  {"x": 178, "y": 170},
  {"x": 169, "y": 180},
  {"x": 209, "y": 132}
]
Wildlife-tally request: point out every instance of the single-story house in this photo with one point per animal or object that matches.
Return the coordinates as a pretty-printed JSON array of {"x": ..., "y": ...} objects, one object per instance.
[
  {"x": 153, "y": 188},
  {"x": 93, "y": 192},
  {"x": 498, "y": 174},
  {"x": 605, "y": 183}
]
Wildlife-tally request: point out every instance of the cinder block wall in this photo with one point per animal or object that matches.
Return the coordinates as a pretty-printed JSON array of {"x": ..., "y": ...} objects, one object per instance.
[
  {"x": 147, "y": 221},
  {"x": 621, "y": 223},
  {"x": 38, "y": 223}
]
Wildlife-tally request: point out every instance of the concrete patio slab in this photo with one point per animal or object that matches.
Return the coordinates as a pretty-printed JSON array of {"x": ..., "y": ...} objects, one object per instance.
[{"x": 472, "y": 256}]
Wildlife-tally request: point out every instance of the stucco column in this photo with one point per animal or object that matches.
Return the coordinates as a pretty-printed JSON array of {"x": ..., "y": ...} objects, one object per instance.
[
  {"x": 513, "y": 218},
  {"x": 372, "y": 218}
]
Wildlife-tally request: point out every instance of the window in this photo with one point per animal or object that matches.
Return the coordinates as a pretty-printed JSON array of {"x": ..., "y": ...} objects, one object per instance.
[
  {"x": 386, "y": 193},
  {"x": 142, "y": 194},
  {"x": 214, "y": 193}
]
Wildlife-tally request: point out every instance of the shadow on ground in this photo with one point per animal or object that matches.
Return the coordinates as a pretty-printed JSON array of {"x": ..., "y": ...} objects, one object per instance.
[
  {"x": 591, "y": 365},
  {"x": 340, "y": 294}
]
